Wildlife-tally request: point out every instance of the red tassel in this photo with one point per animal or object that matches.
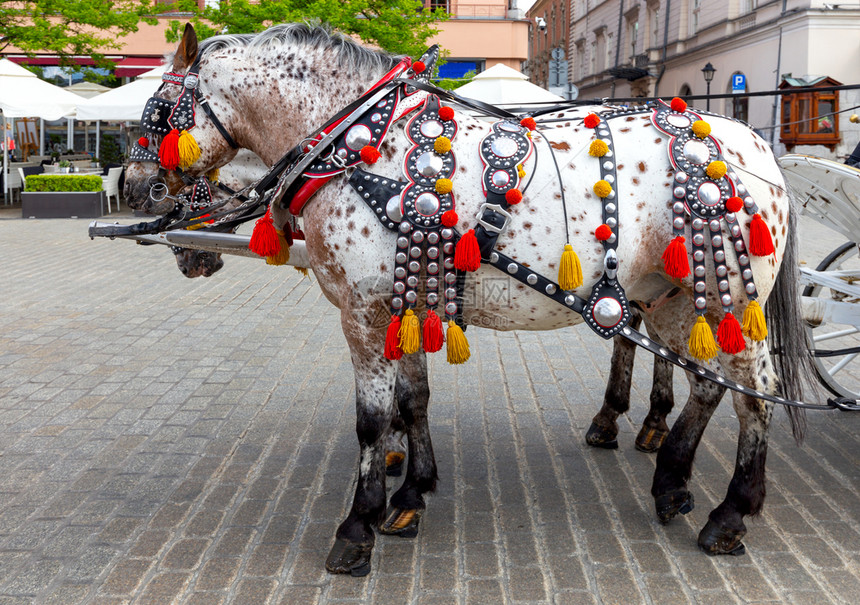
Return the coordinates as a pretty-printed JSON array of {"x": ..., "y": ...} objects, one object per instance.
[
  {"x": 591, "y": 120},
  {"x": 143, "y": 142},
  {"x": 433, "y": 335},
  {"x": 369, "y": 155},
  {"x": 675, "y": 260},
  {"x": 392, "y": 340},
  {"x": 761, "y": 243},
  {"x": 603, "y": 232},
  {"x": 734, "y": 204},
  {"x": 446, "y": 113},
  {"x": 168, "y": 153},
  {"x": 513, "y": 196},
  {"x": 528, "y": 123},
  {"x": 730, "y": 336},
  {"x": 264, "y": 238},
  {"x": 467, "y": 255}
]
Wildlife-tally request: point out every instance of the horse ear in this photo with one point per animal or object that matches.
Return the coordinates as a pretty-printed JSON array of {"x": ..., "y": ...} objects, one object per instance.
[{"x": 186, "y": 52}]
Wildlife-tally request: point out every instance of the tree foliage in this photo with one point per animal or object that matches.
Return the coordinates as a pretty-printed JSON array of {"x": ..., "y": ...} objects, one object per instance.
[
  {"x": 71, "y": 27},
  {"x": 396, "y": 26}
]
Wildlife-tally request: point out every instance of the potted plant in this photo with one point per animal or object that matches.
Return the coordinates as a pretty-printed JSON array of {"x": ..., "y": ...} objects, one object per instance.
[
  {"x": 62, "y": 196},
  {"x": 65, "y": 166}
]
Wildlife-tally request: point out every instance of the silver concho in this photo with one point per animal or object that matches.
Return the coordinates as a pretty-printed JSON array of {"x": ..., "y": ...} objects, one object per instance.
[
  {"x": 677, "y": 120},
  {"x": 509, "y": 126},
  {"x": 427, "y": 204},
  {"x": 504, "y": 147},
  {"x": 696, "y": 151},
  {"x": 607, "y": 312},
  {"x": 357, "y": 137},
  {"x": 393, "y": 210},
  {"x": 501, "y": 178},
  {"x": 376, "y": 118},
  {"x": 191, "y": 81},
  {"x": 429, "y": 164},
  {"x": 709, "y": 194},
  {"x": 431, "y": 129}
]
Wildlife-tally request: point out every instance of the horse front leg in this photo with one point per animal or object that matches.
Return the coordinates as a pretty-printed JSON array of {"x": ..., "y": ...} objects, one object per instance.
[
  {"x": 675, "y": 457},
  {"x": 412, "y": 394},
  {"x": 654, "y": 428},
  {"x": 725, "y": 528},
  {"x": 603, "y": 431},
  {"x": 374, "y": 405}
]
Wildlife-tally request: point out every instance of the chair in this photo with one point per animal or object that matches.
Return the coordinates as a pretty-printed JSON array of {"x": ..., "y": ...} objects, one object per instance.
[{"x": 110, "y": 185}]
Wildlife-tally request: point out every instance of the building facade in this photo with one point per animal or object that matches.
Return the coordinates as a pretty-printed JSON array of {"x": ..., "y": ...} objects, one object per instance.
[
  {"x": 549, "y": 31},
  {"x": 639, "y": 48}
]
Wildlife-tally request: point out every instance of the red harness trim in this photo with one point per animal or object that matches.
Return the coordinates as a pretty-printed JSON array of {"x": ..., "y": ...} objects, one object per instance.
[{"x": 307, "y": 190}]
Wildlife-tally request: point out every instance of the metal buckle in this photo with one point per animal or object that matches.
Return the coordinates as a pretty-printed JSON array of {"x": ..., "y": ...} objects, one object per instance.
[{"x": 492, "y": 228}]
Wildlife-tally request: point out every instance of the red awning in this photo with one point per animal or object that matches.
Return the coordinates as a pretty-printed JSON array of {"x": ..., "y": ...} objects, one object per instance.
[{"x": 130, "y": 67}]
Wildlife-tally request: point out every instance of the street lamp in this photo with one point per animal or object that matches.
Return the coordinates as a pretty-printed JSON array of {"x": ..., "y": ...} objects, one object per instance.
[{"x": 708, "y": 71}]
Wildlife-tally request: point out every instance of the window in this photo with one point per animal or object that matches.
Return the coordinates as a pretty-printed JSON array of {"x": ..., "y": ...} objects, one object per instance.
[
  {"x": 437, "y": 5},
  {"x": 579, "y": 61},
  {"x": 654, "y": 26},
  {"x": 810, "y": 118},
  {"x": 747, "y": 6},
  {"x": 695, "y": 8},
  {"x": 593, "y": 57},
  {"x": 609, "y": 48},
  {"x": 458, "y": 69},
  {"x": 685, "y": 91},
  {"x": 633, "y": 37}
]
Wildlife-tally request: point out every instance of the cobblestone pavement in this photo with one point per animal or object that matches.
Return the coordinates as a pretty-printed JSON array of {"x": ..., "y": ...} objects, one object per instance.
[{"x": 173, "y": 440}]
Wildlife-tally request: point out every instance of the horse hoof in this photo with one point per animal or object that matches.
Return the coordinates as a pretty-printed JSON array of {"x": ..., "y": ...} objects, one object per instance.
[
  {"x": 401, "y": 522},
  {"x": 669, "y": 505},
  {"x": 349, "y": 558},
  {"x": 717, "y": 540},
  {"x": 394, "y": 463},
  {"x": 650, "y": 439},
  {"x": 597, "y": 436}
]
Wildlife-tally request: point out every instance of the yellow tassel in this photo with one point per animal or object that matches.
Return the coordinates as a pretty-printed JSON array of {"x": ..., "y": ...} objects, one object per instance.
[
  {"x": 702, "y": 344},
  {"x": 569, "y": 270},
  {"x": 754, "y": 325},
  {"x": 189, "y": 151},
  {"x": 409, "y": 333},
  {"x": 213, "y": 175},
  {"x": 302, "y": 270},
  {"x": 458, "y": 346},
  {"x": 283, "y": 255}
]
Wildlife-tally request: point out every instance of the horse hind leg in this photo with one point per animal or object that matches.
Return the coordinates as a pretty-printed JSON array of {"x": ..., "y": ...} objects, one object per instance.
[
  {"x": 412, "y": 394},
  {"x": 725, "y": 529},
  {"x": 374, "y": 399},
  {"x": 603, "y": 431},
  {"x": 675, "y": 457},
  {"x": 395, "y": 447}
]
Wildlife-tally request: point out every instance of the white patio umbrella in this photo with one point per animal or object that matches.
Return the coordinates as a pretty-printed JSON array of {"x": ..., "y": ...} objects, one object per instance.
[
  {"x": 124, "y": 103},
  {"x": 23, "y": 95},
  {"x": 502, "y": 85},
  {"x": 121, "y": 104}
]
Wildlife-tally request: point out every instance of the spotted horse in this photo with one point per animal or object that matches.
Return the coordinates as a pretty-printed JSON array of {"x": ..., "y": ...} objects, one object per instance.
[{"x": 588, "y": 210}]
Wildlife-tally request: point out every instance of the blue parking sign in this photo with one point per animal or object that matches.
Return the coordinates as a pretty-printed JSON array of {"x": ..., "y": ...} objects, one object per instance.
[{"x": 739, "y": 83}]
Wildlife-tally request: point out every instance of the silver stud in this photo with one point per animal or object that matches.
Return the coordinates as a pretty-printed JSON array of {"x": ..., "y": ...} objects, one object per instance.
[
  {"x": 726, "y": 299},
  {"x": 450, "y": 293},
  {"x": 750, "y": 288},
  {"x": 722, "y": 271},
  {"x": 432, "y": 252},
  {"x": 402, "y": 242},
  {"x": 450, "y": 278},
  {"x": 414, "y": 266},
  {"x": 717, "y": 241},
  {"x": 451, "y": 308},
  {"x": 744, "y": 259},
  {"x": 411, "y": 296},
  {"x": 448, "y": 248},
  {"x": 400, "y": 258},
  {"x": 432, "y": 298},
  {"x": 699, "y": 271},
  {"x": 723, "y": 285},
  {"x": 714, "y": 225},
  {"x": 447, "y": 234},
  {"x": 512, "y": 268},
  {"x": 397, "y": 302},
  {"x": 399, "y": 287},
  {"x": 412, "y": 281},
  {"x": 698, "y": 239},
  {"x": 415, "y": 252},
  {"x": 698, "y": 256},
  {"x": 400, "y": 272},
  {"x": 532, "y": 279},
  {"x": 697, "y": 224},
  {"x": 700, "y": 303},
  {"x": 432, "y": 237},
  {"x": 494, "y": 257},
  {"x": 678, "y": 223},
  {"x": 418, "y": 236},
  {"x": 747, "y": 274},
  {"x": 609, "y": 208},
  {"x": 432, "y": 268},
  {"x": 405, "y": 227},
  {"x": 569, "y": 300},
  {"x": 719, "y": 256},
  {"x": 739, "y": 245},
  {"x": 550, "y": 289},
  {"x": 432, "y": 282},
  {"x": 699, "y": 287}
]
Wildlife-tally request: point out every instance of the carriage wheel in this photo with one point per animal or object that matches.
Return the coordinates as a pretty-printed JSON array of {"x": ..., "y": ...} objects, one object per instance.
[{"x": 836, "y": 346}]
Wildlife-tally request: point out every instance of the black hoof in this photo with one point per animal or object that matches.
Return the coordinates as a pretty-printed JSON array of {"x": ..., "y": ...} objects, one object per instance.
[
  {"x": 349, "y": 557},
  {"x": 402, "y": 522},
  {"x": 394, "y": 463},
  {"x": 669, "y": 505},
  {"x": 717, "y": 540},
  {"x": 650, "y": 439},
  {"x": 597, "y": 436}
]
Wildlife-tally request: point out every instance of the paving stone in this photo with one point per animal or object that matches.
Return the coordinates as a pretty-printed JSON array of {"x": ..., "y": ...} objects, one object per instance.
[
  {"x": 218, "y": 573},
  {"x": 126, "y": 576}
]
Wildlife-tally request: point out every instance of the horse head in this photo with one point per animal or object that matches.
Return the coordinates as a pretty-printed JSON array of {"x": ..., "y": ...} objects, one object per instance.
[{"x": 184, "y": 133}]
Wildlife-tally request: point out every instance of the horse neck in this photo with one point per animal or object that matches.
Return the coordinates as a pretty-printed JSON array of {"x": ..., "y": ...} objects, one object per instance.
[{"x": 293, "y": 98}]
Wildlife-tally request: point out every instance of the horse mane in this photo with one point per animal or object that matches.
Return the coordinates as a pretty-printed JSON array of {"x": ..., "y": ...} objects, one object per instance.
[{"x": 276, "y": 38}]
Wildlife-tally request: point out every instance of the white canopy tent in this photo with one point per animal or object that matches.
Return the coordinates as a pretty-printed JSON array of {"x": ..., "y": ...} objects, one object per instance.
[
  {"x": 121, "y": 104},
  {"x": 502, "y": 85},
  {"x": 23, "y": 95},
  {"x": 124, "y": 103}
]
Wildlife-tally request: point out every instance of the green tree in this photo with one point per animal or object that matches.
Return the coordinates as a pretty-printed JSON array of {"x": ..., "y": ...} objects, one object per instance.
[
  {"x": 396, "y": 26},
  {"x": 72, "y": 27}
]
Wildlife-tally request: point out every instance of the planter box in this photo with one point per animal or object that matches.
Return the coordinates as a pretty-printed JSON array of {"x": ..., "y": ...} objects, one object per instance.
[{"x": 62, "y": 204}]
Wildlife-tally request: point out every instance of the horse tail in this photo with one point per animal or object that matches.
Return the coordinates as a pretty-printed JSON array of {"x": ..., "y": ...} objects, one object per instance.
[{"x": 787, "y": 335}]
